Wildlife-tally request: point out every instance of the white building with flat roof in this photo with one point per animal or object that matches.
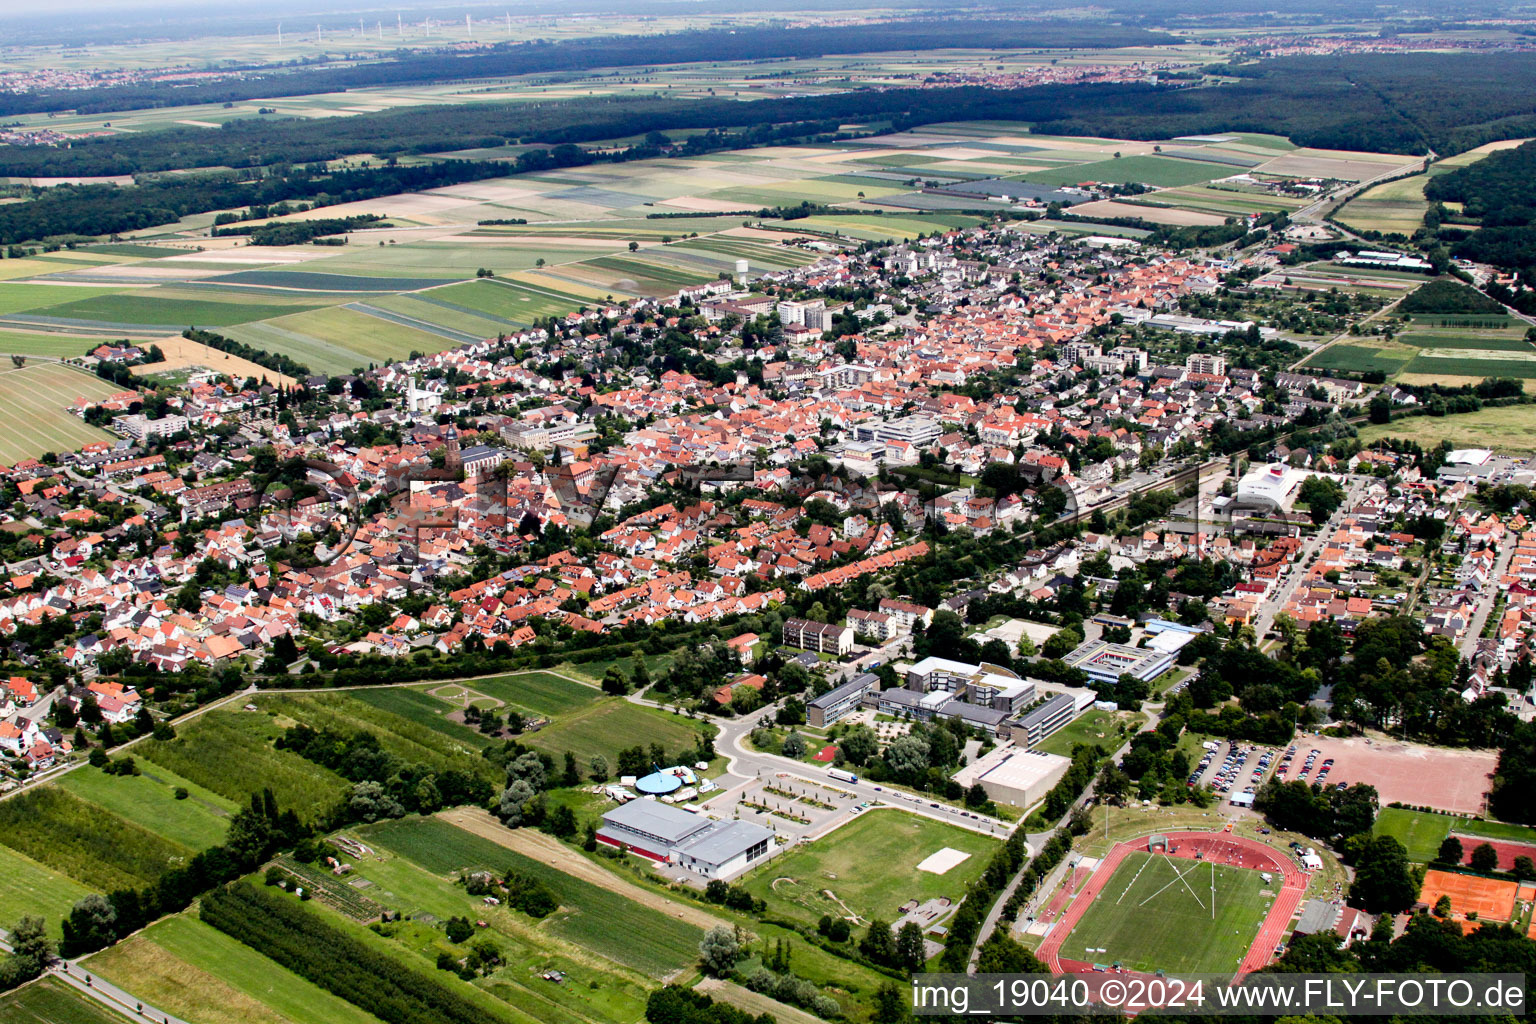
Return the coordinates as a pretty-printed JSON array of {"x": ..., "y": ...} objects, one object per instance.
[
  {"x": 1272, "y": 487},
  {"x": 1015, "y": 776}
]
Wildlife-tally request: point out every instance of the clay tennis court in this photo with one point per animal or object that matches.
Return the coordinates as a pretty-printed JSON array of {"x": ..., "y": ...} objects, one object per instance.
[
  {"x": 1410, "y": 773},
  {"x": 1492, "y": 899},
  {"x": 1507, "y": 851}
]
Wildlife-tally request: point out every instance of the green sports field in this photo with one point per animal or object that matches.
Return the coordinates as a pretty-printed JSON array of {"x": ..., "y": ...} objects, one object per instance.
[
  {"x": 1157, "y": 913},
  {"x": 1420, "y": 832},
  {"x": 798, "y": 884}
]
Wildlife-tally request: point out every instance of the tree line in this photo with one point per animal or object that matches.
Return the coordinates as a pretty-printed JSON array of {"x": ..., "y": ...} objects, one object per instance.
[{"x": 279, "y": 928}]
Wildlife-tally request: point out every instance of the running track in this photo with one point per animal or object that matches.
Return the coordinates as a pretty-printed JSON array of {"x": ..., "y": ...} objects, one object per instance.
[{"x": 1221, "y": 847}]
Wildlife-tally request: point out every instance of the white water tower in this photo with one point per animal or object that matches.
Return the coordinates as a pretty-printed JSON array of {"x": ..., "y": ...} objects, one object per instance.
[{"x": 741, "y": 272}]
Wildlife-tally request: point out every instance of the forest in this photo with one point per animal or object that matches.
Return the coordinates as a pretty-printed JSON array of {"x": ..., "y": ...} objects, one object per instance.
[
  {"x": 1499, "y": 190},
  {"x": 1451, "y": 102},
  {"x": 540, "y": 57}
]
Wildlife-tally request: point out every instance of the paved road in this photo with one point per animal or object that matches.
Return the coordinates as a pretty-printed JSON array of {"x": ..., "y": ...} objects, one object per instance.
[
  {"x": 1296, "y": 571},
  {"x": 1488, "y": 598},
  {"x": 109, "y": 995},
  {"x": 749, "y": 765}
]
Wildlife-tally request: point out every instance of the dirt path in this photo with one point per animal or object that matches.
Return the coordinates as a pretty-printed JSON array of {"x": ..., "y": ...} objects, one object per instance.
[{"x": 551, "y": 851}]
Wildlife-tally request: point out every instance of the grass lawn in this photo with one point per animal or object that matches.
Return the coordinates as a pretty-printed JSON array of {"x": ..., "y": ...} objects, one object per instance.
[
  {"x": 870, "y": 865},
  {"x": 612, "y": 725},
  {"x": 1148, "y": 919},
  {"x": 1504, "y": 429},
  {"x": 1093, "y": 726},
  {"x": 50, "y": 1001},
  {"x": 200, "y": 821},
  {"x": 1495, "y": 830},
  {"x": 201, "y": 974},
  {"x": 27, "y": 887},
  {"x": 1420, "y": 832},
  {"x": 540, "y": 692}
]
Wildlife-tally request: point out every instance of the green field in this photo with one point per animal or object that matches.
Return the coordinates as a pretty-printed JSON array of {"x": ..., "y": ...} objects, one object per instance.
[
  {"x": 400, "y": 735},
  {"x": 1156, "y": 913},
  {"x": 149, "y": 799},
  {"x": 50, "y": 1001},
  {"x": 1420, "y": 832},
  {"x": 56, "y": 346},
  {"x": 1100, "y": 727},
  {"x": 1151, "y": 170},
  {"x": 1504, "y": 429},
  {"x": 612, "y": 725},
  {"x": 176, "y": 310},
  {"x": 1361, "y": 358},
  {"x": 200, "y": 974},
  {"x": 35, "y": 397},
  {"x": 543, "y": 693},
  {"x": 795, "y": 884},
  {"x": 602, "y": 921},
  {"x": 27, "y": 887},
  {"x": 231, "y": 753},
  {"x": 17, "y": 298},
  {"x": 1495, "y": 830},
  {"x": 421, "y": 708},
  {"x": 85, "y": 841}
]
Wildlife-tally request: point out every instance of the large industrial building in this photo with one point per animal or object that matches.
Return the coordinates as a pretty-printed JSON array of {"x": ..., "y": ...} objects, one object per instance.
[
  {"x": 1015, "y": 776},
  {"x": 670, "y": 835},
  {"x": 1271, "y": 488}
]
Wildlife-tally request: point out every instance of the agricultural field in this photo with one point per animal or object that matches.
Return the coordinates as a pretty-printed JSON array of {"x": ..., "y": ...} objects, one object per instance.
[
  {"x": 37, "y": 394},
  {"x": 796, "y": 884},
  {"x": 400, "y": 735},
  {"x": 85, "y": 841},
  {"x": 198, "y": 821},
  {"x": 27, "y": 887},
  {"x": 1438, "y": 348},
  {"x": 231, "y": 753},
  {"x": 1157, "y": 913},
  {"x": 542, "y": 693},
  {"x": 1398, "y": 207},
  {"x": 418, "y": 705},
  {"x": 611, "y": 725},
  {"x": 200, "y": 974},
  {"x": 50, "y": 1001},
  {"x": 411, "y": 287},
  {"x": 589, "y": 916}
]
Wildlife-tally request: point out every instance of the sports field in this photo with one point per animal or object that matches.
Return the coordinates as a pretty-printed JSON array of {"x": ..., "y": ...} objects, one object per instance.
[
  {"x": 1172, "y": 914},
  {"x": 1420, "y": 832},
  {"x": 35, "y": 397},
  {"x": 797, "y": 885}
]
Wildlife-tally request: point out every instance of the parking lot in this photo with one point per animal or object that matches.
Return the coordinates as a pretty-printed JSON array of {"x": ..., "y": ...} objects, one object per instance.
[{"x": 1233, "y": 768}]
